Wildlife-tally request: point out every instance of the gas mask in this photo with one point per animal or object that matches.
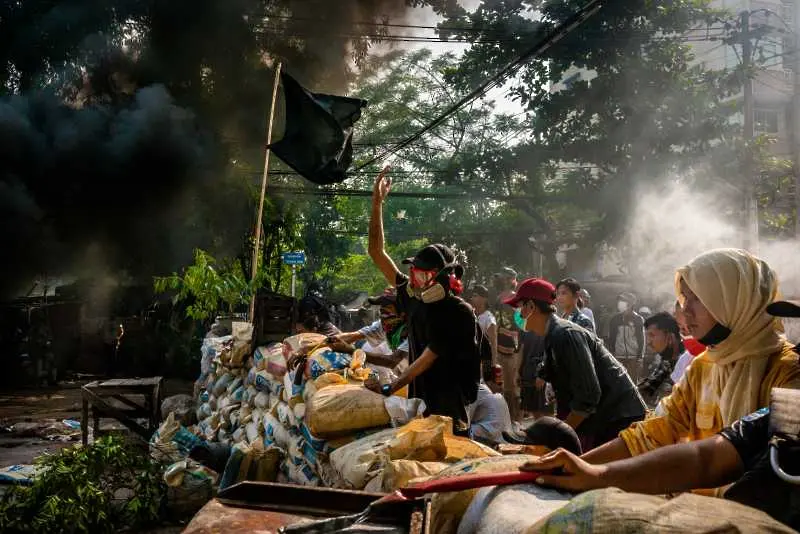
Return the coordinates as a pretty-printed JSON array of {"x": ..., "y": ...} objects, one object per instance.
[
  {"x": 435, "y": 289},
  {"x": 622, "y": 306}
]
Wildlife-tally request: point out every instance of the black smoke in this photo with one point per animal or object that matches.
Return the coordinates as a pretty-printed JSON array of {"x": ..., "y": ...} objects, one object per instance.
[
  {"x": 137, "y": 128},
  {"x": 100, "y": 175}
]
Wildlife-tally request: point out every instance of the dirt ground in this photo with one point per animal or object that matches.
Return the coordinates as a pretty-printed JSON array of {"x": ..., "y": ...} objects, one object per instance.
[{"x": 32, "y": 420}]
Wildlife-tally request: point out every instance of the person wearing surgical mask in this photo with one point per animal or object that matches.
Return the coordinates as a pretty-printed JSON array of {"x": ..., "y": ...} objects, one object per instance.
[
  {"x": 725, "y": 297},
  {"x": 594, "y": 394},
  {"x": 626, "y": 335}
]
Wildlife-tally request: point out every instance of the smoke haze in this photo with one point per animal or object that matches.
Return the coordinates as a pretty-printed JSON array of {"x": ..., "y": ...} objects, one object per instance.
[{"x": 672, "y": 224}]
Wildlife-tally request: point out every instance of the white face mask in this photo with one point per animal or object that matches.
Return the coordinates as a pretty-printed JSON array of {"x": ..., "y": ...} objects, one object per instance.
[{"x": 622, "y": 306}]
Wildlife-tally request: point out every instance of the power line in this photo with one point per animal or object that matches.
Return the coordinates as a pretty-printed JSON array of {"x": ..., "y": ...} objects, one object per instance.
[
  {"x": 450, "y": 40},
  {"x": 465, "y": 29},
  {"x": 553, "y": 37},
  {"x": 400, "y": 194}
]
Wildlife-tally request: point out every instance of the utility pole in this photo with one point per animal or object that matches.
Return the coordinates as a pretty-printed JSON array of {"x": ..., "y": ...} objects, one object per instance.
[
  {"x": 796, "y": 115},
  {"x": 750, "y": 204}
]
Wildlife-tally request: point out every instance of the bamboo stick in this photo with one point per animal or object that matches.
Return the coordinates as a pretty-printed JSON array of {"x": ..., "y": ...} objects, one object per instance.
[{"x": 264, "y": 180}]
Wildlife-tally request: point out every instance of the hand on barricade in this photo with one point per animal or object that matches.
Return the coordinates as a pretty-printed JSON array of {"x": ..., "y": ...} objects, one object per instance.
[{"x": 563, "y": 470}]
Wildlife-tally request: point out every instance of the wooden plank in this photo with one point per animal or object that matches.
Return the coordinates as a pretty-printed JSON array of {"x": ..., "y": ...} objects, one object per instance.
[
  {"x": 126, "y": 382},
  {"x": 128, "y": 402},
  {"x": 121, "y": 390},
  {"x": 99, "y": 405}
]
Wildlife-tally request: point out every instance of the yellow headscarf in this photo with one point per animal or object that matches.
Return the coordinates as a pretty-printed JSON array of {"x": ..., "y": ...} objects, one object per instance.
[{"x": 736, "y": 288}]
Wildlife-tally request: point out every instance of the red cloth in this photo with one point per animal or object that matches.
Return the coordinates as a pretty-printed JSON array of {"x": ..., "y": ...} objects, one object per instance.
[{"x": 694, "y": 347}]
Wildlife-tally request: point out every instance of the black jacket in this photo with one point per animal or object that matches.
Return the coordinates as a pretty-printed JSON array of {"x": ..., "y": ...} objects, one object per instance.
[{"x": 586, "y": 378}]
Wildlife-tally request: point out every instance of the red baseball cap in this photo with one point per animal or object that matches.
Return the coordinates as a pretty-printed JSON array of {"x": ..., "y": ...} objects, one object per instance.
[{"x": 533, "y": 289}]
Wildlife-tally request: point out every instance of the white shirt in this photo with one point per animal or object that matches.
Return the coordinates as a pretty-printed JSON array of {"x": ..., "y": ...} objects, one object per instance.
[
  {"x": 489, "y": 415},
  {"x": 485, "y": 320},
  {"x": 376, "y": 337},
  {"x": 680, "y": 367}
]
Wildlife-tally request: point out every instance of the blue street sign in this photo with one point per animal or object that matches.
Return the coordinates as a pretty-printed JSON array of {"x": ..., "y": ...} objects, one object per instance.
[{"x": 294, "y": 258}]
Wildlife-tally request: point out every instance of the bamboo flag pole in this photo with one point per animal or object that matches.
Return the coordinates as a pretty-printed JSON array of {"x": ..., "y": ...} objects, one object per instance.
[{"x": 264, "y": 179}]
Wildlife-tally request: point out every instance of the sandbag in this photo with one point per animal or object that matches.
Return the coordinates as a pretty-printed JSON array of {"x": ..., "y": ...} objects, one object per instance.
[
  {"x": 328, "y": 379},
  {"x": 398, "y": 473},
  {"x": 183, "y": 406},
  {"x": 300, "y": 474},
  {"x": 275, "y": 432},
  {"x": 242, "y": 343},
  {"x": 268, "y": 384},
  {"x": 171, "y": 442},
  {"x": 420, "y": 440},
  {"x": 270, "y": 359},
  {"x": 447, "y": 509},
  {"x": 510, "y": 509},
  {"x": 340, "y": 410},
  {"x": 221, "y": 384},
  {"x": 251, "y": 462},
  {"x": 402, "y": 410},
  {"x": 251, "y": 431},
  {"x": 611, "y": 510},
  {"x": 299, "y": 342},
  {"x": 309, "y": 390},
  {"x": 323, "y": 360},
  {"x": 209, "y": 350},
  {"x": 359, "y": 461},
  {"x": 261, "y": 401}
]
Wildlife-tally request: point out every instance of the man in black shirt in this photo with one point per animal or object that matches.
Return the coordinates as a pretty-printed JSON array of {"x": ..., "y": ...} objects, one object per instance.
[
  {"x": 759, "y": 454},
  {"x": 594, "y": 394},
  {"x": 443, "y": 334}
]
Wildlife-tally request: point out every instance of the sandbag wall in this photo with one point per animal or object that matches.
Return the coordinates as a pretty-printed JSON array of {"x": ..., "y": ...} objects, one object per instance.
[{"x": 317, "y": 424}]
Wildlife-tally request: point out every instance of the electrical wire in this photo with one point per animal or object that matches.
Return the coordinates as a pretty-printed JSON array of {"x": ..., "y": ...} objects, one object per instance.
[
  {"x": 465, "y": 29},
  {"x": 366, "y": 193},
  {"x": 589, "y": 9}
]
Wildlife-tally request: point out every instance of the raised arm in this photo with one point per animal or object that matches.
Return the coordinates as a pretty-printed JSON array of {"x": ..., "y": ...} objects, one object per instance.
[{"x": 377, "y": 250}]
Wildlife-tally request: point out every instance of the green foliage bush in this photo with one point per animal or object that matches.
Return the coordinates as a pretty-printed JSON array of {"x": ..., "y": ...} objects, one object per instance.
[{"x": 104, "y": 487}]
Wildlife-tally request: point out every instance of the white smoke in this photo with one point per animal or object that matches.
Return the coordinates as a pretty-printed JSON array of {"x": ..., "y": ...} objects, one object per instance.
[{"x": 671, "y": 225}]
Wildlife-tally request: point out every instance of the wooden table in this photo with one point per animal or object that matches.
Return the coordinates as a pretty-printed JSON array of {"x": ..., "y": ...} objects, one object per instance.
[{"x": 96, "y": 395}]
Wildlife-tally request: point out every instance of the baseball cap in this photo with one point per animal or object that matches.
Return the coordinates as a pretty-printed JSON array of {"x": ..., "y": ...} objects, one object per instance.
[
  {"x": 533, "y": 289},
  {"x": 480, "y": 291},
  {"x": 784, "y": 308},
  {"x": 431, "y": 257}
]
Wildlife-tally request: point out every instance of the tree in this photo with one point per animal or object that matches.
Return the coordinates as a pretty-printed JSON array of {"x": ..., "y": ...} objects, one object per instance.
[{"x": 638, "y": 110}]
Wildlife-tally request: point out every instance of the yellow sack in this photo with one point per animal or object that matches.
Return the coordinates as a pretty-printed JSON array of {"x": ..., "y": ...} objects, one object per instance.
[
  {"x": 364, "y": 459},
  {"x": 329, "y": 379},
  {"x": 421, "y": 439},
  {"x": 301, "y": 342},
  {"x": 459, "y": 448},
  {"x": 448, "y": 508},
  {"x": 398, "y": 473},
  {"x": 341, "y": 410}
]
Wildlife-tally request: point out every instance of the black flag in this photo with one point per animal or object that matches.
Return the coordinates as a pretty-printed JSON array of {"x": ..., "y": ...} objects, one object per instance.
[{"x": 318, "y": 140}]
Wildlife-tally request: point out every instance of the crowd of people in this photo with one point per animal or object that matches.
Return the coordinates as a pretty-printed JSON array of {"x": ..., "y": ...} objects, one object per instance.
[{"x": 697, "y": 419}]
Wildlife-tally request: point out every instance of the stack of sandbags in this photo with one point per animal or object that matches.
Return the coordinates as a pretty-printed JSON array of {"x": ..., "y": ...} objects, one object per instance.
[
  {"x": 257, "y": 405},
  {"x": 391, "y": 458}
]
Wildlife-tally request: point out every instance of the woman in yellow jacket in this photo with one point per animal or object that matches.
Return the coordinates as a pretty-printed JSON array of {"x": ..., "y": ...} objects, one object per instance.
[{"x": 724, "y": 294}]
